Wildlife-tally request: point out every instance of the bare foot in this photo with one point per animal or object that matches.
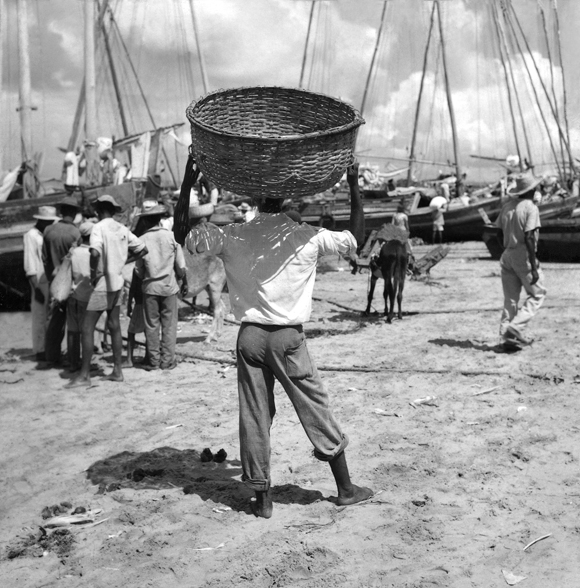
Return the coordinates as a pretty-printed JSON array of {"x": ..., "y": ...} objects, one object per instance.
[
  {"x": 359, "y": 494},
  {"x": 127, "y": 365},
  {"x": 114, "y": 377},
  {"x": 78, "y": 382},
  {"x": 263, "y": 506}
]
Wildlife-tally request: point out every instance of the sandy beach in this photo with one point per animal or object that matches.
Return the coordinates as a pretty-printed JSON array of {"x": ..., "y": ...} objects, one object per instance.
[{"x": 463, "y": 483}]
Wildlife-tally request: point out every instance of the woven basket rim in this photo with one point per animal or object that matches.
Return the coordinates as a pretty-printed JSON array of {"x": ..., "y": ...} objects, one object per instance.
[{"x": 357, "y": 121}]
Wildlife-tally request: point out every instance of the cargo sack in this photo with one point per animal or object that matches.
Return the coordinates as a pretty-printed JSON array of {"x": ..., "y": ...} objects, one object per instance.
[{"x": 61, "y": 286}]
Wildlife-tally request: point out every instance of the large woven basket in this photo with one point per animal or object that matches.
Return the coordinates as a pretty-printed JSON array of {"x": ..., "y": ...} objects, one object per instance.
[{"x": 273, "y": 142}]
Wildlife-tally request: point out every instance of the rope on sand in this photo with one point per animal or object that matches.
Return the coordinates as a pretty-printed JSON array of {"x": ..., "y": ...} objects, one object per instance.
[
  {"x": 454, "y": 311},
  {"x": 413, "y": 370},
  {"x": 360, "y": 368}
]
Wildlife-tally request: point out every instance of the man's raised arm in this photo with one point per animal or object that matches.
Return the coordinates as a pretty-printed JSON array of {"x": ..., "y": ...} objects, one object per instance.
[{"x": 357, "y": 216}]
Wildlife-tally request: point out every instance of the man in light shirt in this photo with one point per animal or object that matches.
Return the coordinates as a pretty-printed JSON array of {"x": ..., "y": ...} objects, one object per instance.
[
  {"x": 159, "y": 270},
  {"x": 34, "y": 270},
  {"x": 270, "y": 264},
  {"x": 519, "y": 224},
  {"x": 112, "y": 246}
]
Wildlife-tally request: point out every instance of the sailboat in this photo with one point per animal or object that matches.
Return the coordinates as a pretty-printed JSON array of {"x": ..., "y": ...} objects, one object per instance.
[
  {"x": 143, "y": 151},
  {"x": 472, "y": 206}
]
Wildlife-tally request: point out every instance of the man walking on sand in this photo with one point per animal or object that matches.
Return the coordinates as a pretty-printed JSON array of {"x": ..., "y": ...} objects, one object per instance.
[
  {"x": 519, "y": 224},
  {"x": 112, "y": 245},
  {"x": 270, "y": 263}
]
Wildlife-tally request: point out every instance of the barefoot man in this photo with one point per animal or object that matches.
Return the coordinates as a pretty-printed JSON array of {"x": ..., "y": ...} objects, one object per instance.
[
  {"x": 270, "y": 263},
  {"x": 112, "y": 246}
]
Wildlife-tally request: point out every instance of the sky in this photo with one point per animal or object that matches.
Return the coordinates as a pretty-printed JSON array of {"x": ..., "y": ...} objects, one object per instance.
[{"x": 262, "y": 42}]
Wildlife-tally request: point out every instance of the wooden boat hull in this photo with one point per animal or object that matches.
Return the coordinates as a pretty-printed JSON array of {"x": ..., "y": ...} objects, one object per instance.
[
  {"x": 559, "y": 240},
  {"x": 462, "y": 223}
]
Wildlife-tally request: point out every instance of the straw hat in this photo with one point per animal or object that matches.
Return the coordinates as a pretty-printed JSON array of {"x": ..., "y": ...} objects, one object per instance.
[
  {"x": 47, "y": 213},
  {"x": 148, "y": 205},
  {"x": 106, "y": 198},
  {"x": 157, "y": 210},
  {"x": 525, "y": 182},
  {"x": 86, "y": 228}
]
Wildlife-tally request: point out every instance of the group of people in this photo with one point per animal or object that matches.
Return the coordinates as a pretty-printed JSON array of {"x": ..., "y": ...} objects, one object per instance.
[
  {"x": 92, "y": 255},
  {"x": 270, "y": 263}
]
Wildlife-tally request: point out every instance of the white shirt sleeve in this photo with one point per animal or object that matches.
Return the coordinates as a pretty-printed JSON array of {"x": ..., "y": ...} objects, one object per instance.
[
  {"x": 341, "y": 242},
  {"x": 30, "y": 266},
  {"x": 96, "y": 241}
]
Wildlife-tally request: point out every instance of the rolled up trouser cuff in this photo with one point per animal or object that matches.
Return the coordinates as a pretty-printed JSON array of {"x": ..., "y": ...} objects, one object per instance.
[
  {"x": 337, "y": 450},
  {"x": 256, "y": 485}
]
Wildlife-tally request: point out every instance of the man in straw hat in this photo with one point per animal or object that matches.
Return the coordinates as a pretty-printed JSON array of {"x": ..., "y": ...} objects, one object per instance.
[
  {"x": 34, "y": 270},
  {"x": 519, "y": 224},
  {"x": 58, "y": 239},
  {"x": 159, "y": 270},
  {"x": 270, "y": 264},
  {"x": 112, "y": 245}
]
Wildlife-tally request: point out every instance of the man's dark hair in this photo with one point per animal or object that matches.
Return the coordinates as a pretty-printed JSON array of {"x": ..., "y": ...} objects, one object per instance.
[
  {"x": 67, "y": 210},
  {"x": 271, "y": 205},
  {"x": 105, "y": 207},
  {"x": 527, "y": 195}
]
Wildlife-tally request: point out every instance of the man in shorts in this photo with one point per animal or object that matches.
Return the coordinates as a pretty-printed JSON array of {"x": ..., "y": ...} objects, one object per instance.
[
  {"x": 270, "y": 263},
  {"x": 112, "y": 246}
]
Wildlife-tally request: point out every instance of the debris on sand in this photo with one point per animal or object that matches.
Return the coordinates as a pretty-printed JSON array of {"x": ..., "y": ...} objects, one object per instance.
[
  {"x": 40, "y": 543},
  {"x": 427, "y": 401},
  {"x": 479, "y": 393},
  {"x": 512, "y": 579},
  {"x": 209, "y": 548},
  {"x": 385, "y": 413},
  {"x": 536, "y": 540}
]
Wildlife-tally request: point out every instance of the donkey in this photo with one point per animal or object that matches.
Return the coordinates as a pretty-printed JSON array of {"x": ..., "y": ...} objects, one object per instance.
[
  {"x": 391, "y": 264},
  {"x": 206, "y": 272}
]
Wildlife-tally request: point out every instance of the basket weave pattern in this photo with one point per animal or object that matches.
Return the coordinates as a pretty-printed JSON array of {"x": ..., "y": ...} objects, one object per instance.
[{"x": 273, "y": 142}]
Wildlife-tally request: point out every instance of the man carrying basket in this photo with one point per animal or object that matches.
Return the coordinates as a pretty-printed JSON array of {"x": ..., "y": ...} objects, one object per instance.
[{"x": 270, "y": 263}]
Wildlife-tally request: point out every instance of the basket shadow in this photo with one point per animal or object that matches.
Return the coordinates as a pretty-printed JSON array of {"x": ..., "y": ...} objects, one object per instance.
[{"x": 167, "y": 467}]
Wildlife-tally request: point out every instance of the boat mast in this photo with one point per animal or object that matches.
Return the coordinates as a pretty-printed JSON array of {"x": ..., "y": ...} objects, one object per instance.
[
  {"x": 552, "y": 85},
  {"x": 459, "y": 179},
  {"x": 560, "y": 132},
  {"x": 379, "y": 35},
  {"x": 2, "y": 117},
  {"x": 199, "y": 52},
  {"x": 503, "y": 58},
  {"x": 81, "y": 100},
  {"x": 114, "y": 78},
  {"x": 25, "y": 106},
  {"x": 564, "y": 94},
  {"x": 91, "y": 155},
  {"x": 418, "y": 109},
  {"x": 306, "y": 45}
]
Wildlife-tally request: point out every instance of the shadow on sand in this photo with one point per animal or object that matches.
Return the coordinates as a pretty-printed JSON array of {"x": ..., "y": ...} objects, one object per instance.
[
  {"x": 166, "y": 467},
  {"x": 470, "y": 345}
]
